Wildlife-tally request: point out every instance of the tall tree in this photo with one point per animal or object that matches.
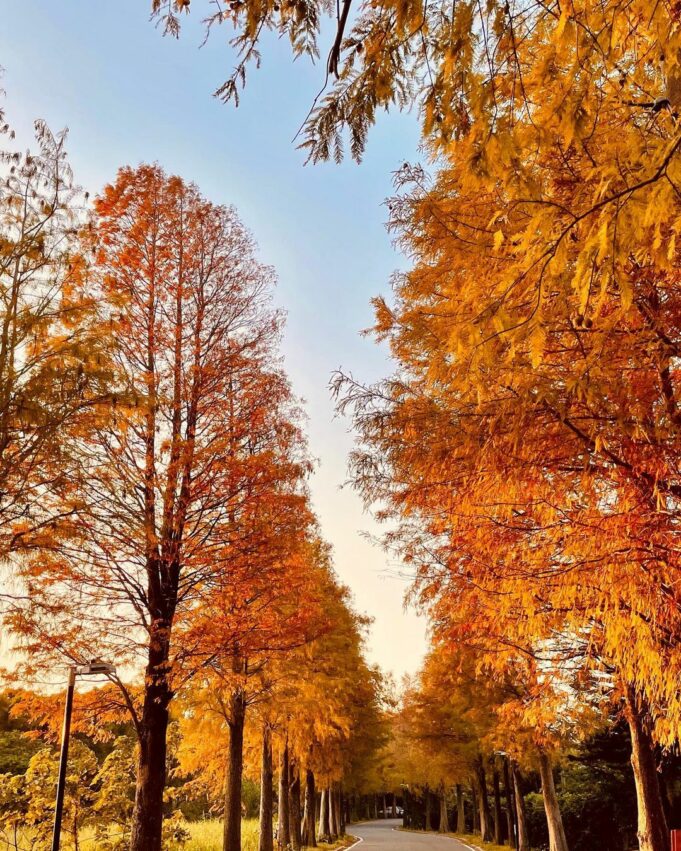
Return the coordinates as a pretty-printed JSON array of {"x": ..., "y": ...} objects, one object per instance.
[{"x": 160, "y": 484}]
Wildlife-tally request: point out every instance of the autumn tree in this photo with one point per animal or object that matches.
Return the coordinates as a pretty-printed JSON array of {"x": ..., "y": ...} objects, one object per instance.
[
  {"x": 54, "y": 358},
  {"x": 312, "y": 712},
  {"x": 151, "y": 515},
  {"x": 509, "y": 409},
  {"x": 282, "y": 608}
]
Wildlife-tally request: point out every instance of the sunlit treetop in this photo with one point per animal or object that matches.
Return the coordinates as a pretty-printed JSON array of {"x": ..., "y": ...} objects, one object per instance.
[{"x": 474, "y": 71}]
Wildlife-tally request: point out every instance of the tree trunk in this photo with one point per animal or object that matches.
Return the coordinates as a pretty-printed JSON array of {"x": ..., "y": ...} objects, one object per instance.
[
  {"x": 266, "y": 843},
  {"x": 376, "y": 807},
  {"x": 653, "y": 833},
  {"x": 235, "y": 765},
  {"x": 427, "y": 817},
  {"x": 75, "y": 829},
  {"x": 444, "y": 815},
  {"x": 333, "y": 813},
  {"x": 309, "y": 832},
  {"x": 147, "y": 817},
  {"x": 557, "y": 840},
  {"x": 510, "y": 814},
  {"x": 283, "y": 834},
  {"x": 523, "y": 842},
  {"x": 294, "y": 808},
  {"x": 324, "y": 830},
  {"x": 342, "y": 810},
  {"x": 406, "y": 808},
  {"x": 483, "y": 801},
  {"x": 460, "y": 810},
  {"x": 476, "y": 811},
  {"x": 498, "y": 818}
]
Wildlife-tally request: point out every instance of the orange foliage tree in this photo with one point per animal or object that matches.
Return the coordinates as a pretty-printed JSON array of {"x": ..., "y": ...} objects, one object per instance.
[
  {"x": 198, "y": 470},
  {"x": 545, "y": 502}
]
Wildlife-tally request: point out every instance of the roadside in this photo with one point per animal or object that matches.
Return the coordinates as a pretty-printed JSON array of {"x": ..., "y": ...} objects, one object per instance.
[{"x": 469, "y": 839}]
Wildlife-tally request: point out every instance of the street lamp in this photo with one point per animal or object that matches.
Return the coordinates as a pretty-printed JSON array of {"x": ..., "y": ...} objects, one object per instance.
[{"x": 93, "y": 667}]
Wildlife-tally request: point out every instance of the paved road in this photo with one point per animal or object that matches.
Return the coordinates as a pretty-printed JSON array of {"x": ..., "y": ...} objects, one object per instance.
[{"x": 382, "y": 834}]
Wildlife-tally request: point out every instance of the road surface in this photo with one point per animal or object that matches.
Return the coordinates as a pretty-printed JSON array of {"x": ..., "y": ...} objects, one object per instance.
[{"x": 382, "y": 834}]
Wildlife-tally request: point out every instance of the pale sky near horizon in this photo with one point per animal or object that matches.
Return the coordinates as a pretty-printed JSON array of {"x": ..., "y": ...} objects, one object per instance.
[{"x": 129, "y": 95}]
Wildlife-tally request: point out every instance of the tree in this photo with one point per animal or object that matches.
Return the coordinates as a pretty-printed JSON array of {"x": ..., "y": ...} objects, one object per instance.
[
  {"x": 499, "y": 81},
  {"x": 28, "y": 799},
  {"x": 312, "y": 700},
  {"x": 55, "y": 364},
  {"x": 150, "y": 514},
  {"x": 280, "y": 609},
  {"x": 533, "y": 345}
]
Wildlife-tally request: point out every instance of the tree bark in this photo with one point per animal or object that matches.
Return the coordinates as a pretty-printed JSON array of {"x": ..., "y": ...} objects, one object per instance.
[
  {"x": 653, "y": 833},
  {"x": 342, "y": 808},
  {"x": 294, "y": 808},
  {"x": 557, "y": 839},
  {"x": 510, "y": 811},
  {"x": 427, "y": 815},
  {"x": 147, "y": 817},
  {"x": 235, "y": 764},
  {"x": 266, "y": 840},
  {"x": 444, "y": 815},
  {"x": 324, "y": 830},
  {"x": 460, "y": 810},
  {"x": 283, "y": 834},
  {"x": 309, "y": 826},
  {"x": 476, "y": 811},
  {"x": 483, "y": 801},
  {"x": 394, "y": 805},
  {"x": 498, "y": 818},
  {"x": 376, "y": 807},
  {"x": 333, "y": 813},
  {"x": 523, "y": 842}
]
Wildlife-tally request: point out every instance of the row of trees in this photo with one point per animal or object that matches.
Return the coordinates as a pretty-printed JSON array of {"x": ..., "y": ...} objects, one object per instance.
[
  {"x": 472, "y": 766},
  {"x": 536, "y": 343},
  {"x": 297, "y": 733},
  {"x": 154, "y": 509}
]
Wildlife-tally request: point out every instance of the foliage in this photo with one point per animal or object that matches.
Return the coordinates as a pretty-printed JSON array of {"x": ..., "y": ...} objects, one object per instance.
[{"x": 55, "y": 366}]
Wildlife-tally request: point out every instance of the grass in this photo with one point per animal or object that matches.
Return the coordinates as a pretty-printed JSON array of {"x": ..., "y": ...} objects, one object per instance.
[
  {"x": 207, "y": 836},
  {"x": 474, "y": 840}
]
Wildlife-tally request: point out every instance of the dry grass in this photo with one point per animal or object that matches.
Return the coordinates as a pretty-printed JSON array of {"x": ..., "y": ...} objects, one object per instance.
[
  {"x": 207, "y": 836},
  {"x": 476, "y": 842}
]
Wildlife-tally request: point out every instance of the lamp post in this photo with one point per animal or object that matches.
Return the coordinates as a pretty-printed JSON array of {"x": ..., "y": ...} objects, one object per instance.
[{"x": 95, "y": 666}]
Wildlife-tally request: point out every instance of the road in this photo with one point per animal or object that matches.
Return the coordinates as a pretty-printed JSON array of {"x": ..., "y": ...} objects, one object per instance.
[{"x": 382, "y": 834}]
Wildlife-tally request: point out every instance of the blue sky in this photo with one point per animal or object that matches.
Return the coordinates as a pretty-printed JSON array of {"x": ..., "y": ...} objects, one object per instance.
[{"x": 129, "y": 95}]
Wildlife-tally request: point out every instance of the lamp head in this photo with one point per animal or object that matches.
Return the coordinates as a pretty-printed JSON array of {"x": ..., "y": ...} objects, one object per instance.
[{"x": 95, "y": 666}]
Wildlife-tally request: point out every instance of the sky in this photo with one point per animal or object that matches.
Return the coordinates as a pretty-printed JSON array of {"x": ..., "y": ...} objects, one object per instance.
[{"x": 129, "y": 95}]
